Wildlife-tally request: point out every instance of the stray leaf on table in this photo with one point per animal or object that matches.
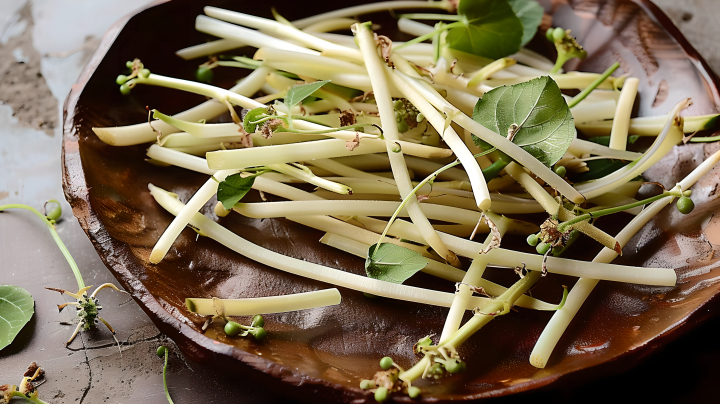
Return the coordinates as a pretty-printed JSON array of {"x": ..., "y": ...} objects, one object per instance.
[
  {"x": 16, "y": 308},
  {"x": 234, "y": 188}
]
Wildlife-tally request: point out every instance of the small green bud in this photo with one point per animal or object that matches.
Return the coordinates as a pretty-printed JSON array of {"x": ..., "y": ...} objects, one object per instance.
[
  {"x": 204, "y": 74},
  {"x": 259, "y": 333},
  {"x": 419, "y": 118},
  {"x": 144, "y": 73},
  {"x": 386, "y": 363},
  {"x": 533, "y": 240},
  {"x": 257, "y": 321},
  {"x": 454, "y": 366},
  {"x": 687, "y": 193},
  {"x": 125, "y": 89},
  {"x": 413, "y": 392},
  {"x": 161, "y": 351},
  {"x": 549, "y": 34},
  {"x": 558, "y": 34},
  {"x": 381, "y": 394},
  {"x": 53, "y": 210},
  {"x": 129, "y": 64},
  {"x": 397, "y": 104},
  {"x": 685, "y": 205},
  {"x": 542, "y": 248},
  {"x": 561, "y": 171},
  {"x": 367, "y": 384},
  {"x": 403, "y": 126},
  {"x": 232, "y": 328},
  {"x": 121, "y": 79}
]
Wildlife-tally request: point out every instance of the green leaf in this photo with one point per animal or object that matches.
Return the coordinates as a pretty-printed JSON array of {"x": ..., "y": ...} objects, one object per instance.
[
  {"x": 234, "y": 188},
  {"x": 605, "y": 140},
  {"x": 393, "y": 263},
  {"x": 16, "y": 309},
  {"x": 537, "y": 107},
  {"x": 489, "y": 28},
  {"x": 252, "y": 116},
  {"x": 297, "y": 93},
  {"x": 599, "y": 169},
  {"x": 530, "y": 14}
]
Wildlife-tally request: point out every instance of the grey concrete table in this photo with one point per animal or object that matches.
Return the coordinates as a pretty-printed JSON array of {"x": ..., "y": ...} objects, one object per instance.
[{"x": 43, "y": 46}]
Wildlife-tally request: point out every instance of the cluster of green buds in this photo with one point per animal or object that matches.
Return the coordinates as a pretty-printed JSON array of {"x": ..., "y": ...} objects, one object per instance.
[
  {"x": 255, "y": 328},
  {"x": 388, "y": 381},
  {"x": 406, "y": 115},
  {"x": 567, "y": 47},
  {"x": 127, "y": 82}
]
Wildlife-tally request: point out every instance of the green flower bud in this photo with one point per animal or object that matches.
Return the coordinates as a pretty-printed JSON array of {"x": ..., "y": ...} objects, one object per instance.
[
  {"x": 144, "y": 73},
  {"x": 558, "y": 34},
  {"x": 381, "y": 394},
  {"x": 386, "y": 363},
  {"x": 161, "y": 351},
  {"x": 53, "y": 210},
  {"x": 561, "y": 171},
  {"x": 413, "y": 392},
  {"x": 204, "y": 74},
  {"x": 125, "y": 89},
  {"x": 533, "y": 240},
  {"x": 232, "y": 328},
  {"x": 257, "y": 321},
  {"x": 121, "y": 79},
  {"x": 367, "y": 384},
  {"x": 542, "y": 248},
  {"x": 685, "y": 205},
  {"x": 259, "y": 333}
]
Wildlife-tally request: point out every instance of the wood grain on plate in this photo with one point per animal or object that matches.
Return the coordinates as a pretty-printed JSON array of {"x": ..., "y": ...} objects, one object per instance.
[{"x": 328, "y": 350}]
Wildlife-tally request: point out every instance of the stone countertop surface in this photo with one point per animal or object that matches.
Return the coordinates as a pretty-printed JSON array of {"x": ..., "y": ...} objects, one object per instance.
[{"x": 43, "y": 47}]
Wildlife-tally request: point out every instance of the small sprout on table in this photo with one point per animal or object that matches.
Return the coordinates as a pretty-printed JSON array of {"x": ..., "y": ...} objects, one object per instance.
[
  {"x": 87, "y": 307},
  {"x": 162, "y": 351}
]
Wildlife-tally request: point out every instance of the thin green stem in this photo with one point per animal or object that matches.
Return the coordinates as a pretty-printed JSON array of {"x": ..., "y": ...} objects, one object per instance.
[
  {"x": 429, "y": 35},
  {"x": 604, "y": 212},
  {"x": 429, "y": 16},
  {"x": 167, "y": 393},
  {"x": 55, "y": 236},
  {"x": 704, "y": 139},
  {"x": 584, "y": 93},
  {"x": 561, "y": 59}
]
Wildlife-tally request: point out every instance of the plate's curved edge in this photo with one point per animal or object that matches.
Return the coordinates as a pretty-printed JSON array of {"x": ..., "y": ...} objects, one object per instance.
[{"x": 76, "y": 193}]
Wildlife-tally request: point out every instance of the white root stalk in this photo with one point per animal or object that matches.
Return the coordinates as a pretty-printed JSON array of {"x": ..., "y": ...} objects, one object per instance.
[
  {"x": 305, "y": 175},
  {"x": 209, "y": 48},
  {"x": 561, "y": 319},
  {"x": 207, "y": 191},
  {"x": 372, "y": 8},
  {"x": 380, "y": 85},
  {"x": 266, "y": 305},
  {"x": 143, "y": 133},
  {"x": 649, "y": 125},
  {"x": 493, "y": 289},
  {"x": 451, "y": 138},
  {"x": 321, "y": 149},
  {"x": 303, "y": 268},
  {"x": 247, "y": 36},
  {"x": 285, "y": 31},
  {"x": 472, "y": 277},
  {"x": 621, "y": 121},
  {"x": 671, "y": 135},
  {"x": 501, "y": 142}
]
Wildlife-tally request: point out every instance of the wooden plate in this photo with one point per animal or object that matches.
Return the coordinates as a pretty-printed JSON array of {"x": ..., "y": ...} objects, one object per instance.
[{"x": 324, "y": 353}]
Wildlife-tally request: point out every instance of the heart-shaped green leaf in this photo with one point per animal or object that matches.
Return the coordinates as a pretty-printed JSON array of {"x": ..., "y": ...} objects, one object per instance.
[
  {"x": 545, "y": 126},
  {"x": 490, "y": 29},
  {"x": 16, "y": 309},
  {"x": 234, "y": 188},
  {"x": 393, "y": 263},
  {"x": 530, "y": 14},
  {"x": 297, "y": 93}
]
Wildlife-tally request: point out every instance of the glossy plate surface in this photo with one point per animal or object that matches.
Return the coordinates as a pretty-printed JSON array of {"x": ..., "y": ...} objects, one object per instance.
[{"x": 327, "y": 351}]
